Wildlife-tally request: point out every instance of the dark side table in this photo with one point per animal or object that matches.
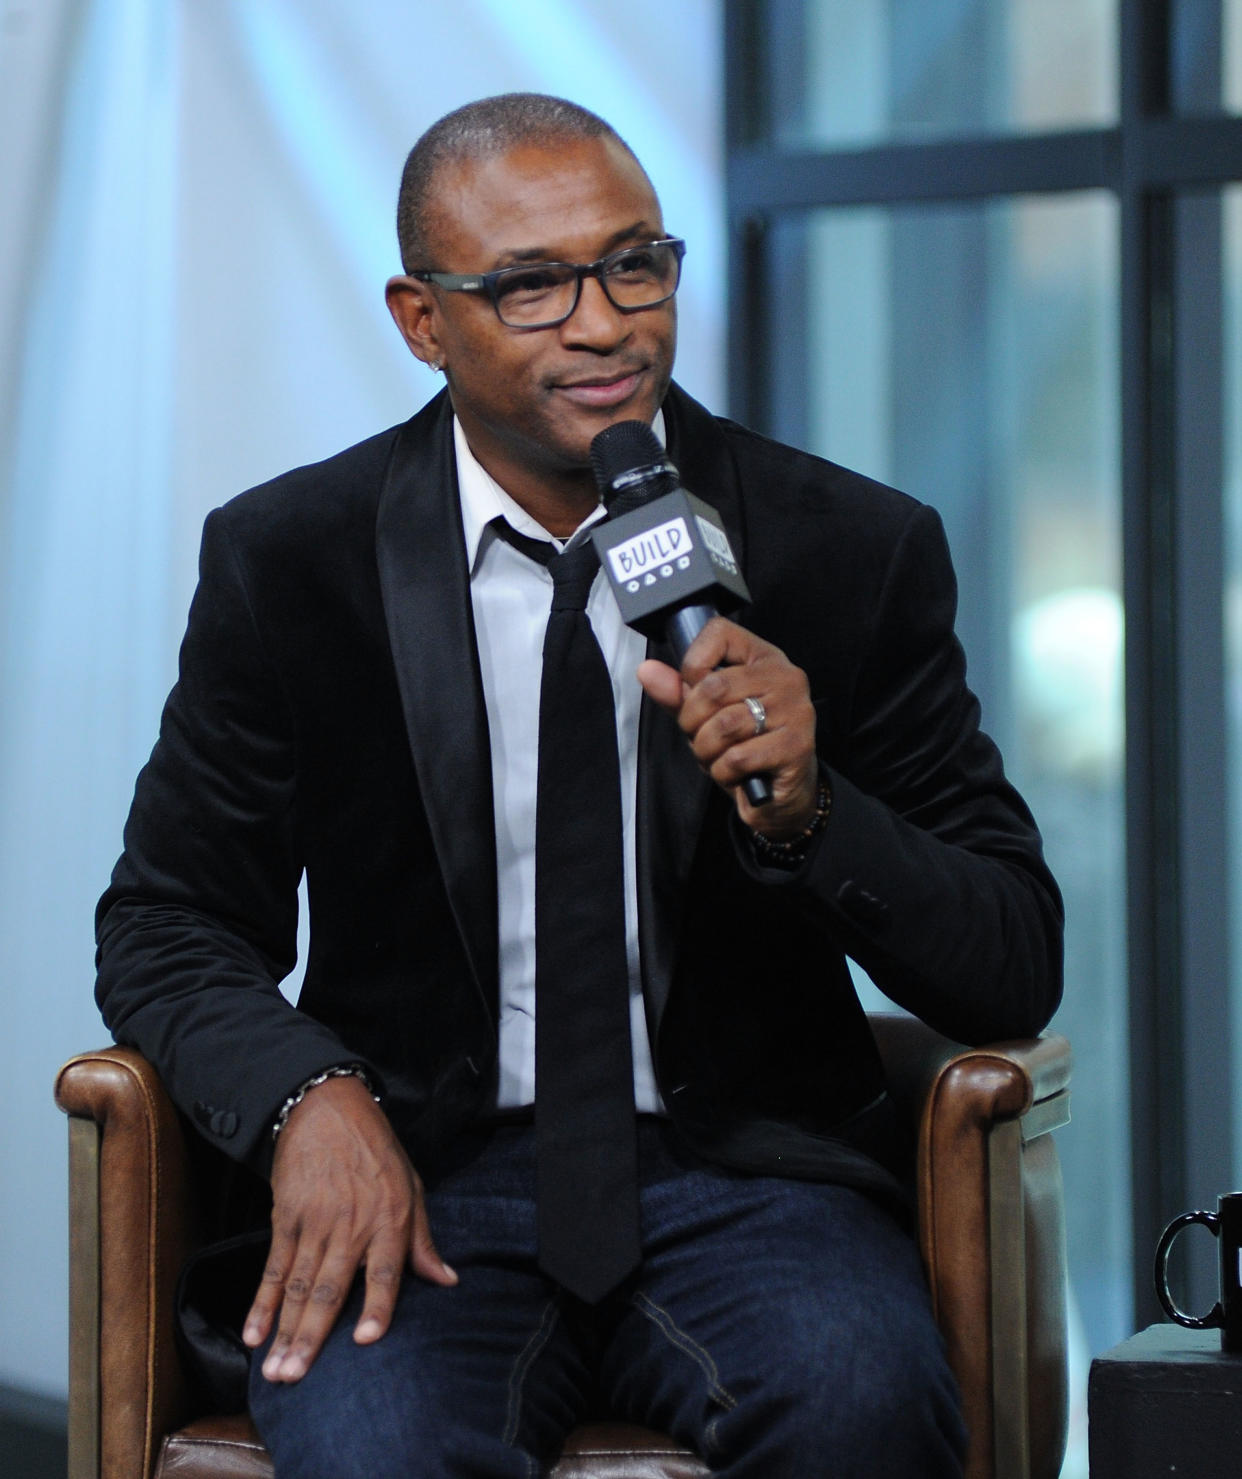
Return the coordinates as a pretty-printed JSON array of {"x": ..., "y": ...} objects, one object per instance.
[{"x": 1166, "y": 1401}]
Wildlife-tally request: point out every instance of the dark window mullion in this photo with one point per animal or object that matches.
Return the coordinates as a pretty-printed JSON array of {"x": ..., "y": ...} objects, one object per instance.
[
  {"x": 1198, "y": 359},
  {"x": 1152, "y": 770},
  {"x": 768, "y": 178},
  {"x": 1149, "y": 535},
  {"x": 1190, "y": 151}
]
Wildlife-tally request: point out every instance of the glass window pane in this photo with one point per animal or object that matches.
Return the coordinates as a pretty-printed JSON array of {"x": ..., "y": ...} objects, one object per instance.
[
  {"x": 1233, "y": 56},
  {"x": 1206, "y": 56},
  {"x": 1232, "y": 389},
  {"x": 851, "y": 72},
  {"x": 968, "y": 354}
]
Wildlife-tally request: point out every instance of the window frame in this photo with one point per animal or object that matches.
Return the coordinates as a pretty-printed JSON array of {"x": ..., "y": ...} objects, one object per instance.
[{"x": 1155, "y": 160}]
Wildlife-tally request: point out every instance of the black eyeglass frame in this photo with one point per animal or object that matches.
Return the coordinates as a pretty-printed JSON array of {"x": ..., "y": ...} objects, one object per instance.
[{"x": 489, "y": 282}]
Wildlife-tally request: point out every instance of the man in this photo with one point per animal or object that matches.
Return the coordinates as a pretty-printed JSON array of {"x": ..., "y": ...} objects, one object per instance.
[{"x": 359, "y": 698}]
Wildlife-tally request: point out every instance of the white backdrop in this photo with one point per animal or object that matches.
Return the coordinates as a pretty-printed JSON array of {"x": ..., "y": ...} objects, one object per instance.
[{"x": 196, "y": 202}]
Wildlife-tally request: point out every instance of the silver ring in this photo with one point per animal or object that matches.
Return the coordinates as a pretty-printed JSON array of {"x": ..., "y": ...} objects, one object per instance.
[{"x": 758, "y": 713}]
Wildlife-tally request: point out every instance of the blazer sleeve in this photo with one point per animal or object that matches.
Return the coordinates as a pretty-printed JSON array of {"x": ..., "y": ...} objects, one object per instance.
[
  {"x": 199, "y": 923},
  {"x": 930, "y": 870}
]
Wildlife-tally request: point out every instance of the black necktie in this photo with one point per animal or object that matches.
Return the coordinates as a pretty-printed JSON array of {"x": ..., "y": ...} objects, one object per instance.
[{"x": 585, "y": 1133}]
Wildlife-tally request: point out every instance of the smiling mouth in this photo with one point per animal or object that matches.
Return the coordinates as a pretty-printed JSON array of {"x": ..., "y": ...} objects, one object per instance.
[{"x": 601, "y": 391}]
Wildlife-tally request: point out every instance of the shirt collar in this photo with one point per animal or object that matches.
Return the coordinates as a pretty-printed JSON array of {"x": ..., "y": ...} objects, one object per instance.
[{"x": 483, "y": 500}]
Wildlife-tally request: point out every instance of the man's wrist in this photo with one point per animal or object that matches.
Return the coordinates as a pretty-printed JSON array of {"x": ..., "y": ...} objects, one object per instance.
[
  {"x": 793, "y": 852},
  {"x": 340, "y": 1070}
]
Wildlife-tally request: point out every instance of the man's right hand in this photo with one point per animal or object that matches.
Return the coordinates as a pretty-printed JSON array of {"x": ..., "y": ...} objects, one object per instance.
[{"x": 344, "y": 1197}]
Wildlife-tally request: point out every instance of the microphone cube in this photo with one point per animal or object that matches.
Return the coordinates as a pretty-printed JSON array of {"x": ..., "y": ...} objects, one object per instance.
[{"x": 669, "y": 553}]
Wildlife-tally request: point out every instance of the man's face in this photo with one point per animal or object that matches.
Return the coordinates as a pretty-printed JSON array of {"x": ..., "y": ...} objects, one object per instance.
[{"x": 531, "y": 400}]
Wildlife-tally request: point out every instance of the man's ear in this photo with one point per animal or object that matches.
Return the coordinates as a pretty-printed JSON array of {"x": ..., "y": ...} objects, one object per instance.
[{"x": 413, "y": 311}]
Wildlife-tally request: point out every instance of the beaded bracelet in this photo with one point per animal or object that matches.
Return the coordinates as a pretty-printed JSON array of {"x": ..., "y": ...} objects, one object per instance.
[
  {"x": 345, "y": 1070},
  {"x": 792, "y": 853}
]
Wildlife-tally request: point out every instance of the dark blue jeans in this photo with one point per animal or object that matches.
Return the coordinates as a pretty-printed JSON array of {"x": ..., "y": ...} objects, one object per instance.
[{"x": 780, "y": 1328}]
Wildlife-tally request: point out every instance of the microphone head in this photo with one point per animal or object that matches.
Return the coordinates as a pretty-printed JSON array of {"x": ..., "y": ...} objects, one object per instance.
[{"x": 630, "y": 466}]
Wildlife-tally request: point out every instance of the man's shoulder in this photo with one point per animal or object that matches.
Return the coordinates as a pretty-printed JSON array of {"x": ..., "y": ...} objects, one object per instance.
[
  {"x": 784, "y": 482},
  {"x": 333, "y": 493},
  {"x": 330, "y": 491}
]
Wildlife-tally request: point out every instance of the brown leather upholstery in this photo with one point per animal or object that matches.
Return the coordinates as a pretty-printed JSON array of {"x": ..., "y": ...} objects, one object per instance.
[
  {"x": 991, "y": 1229},
  {"x": 225, "y": 1446},
  {"x": 229, "y": 1448}
]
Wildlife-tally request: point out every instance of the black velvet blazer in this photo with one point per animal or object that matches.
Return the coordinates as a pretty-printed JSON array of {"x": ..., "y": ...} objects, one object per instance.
[{"x": 329, "y": 718}]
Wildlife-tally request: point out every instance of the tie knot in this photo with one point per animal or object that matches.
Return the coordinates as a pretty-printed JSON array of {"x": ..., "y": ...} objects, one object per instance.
[{"x": 572, "y": 572}]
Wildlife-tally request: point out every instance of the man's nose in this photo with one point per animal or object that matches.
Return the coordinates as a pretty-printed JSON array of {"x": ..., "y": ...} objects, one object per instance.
[{"x": 596, "y": 321}]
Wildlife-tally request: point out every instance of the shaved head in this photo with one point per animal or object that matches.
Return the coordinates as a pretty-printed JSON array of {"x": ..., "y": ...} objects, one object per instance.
[{"x": 478, "y": 130}]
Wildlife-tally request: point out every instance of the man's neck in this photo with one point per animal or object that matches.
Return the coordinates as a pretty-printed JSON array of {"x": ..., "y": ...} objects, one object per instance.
[
  {"x": 557, "y": 505},
  {"x": 557, "y": 498}
]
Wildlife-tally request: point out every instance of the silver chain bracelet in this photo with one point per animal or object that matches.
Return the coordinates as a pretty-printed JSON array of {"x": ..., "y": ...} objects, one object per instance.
[{"x": 348, "y": 1070}]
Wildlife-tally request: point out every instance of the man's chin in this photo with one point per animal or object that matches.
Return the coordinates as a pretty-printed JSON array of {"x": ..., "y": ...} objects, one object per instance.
[
  {"x": 577, "y": 427},
  {"x": 580, "y": 457}
]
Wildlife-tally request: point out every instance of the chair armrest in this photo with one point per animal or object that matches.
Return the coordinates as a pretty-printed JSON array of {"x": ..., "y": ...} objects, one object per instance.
[
  {"x": 991, "y": 1230},
  {"x": 914, "y": 1055},
  {"x": 130, "y": 1231}
]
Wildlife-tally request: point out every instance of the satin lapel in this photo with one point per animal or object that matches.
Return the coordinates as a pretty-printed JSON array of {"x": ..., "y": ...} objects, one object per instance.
[
  {"x": 672, "y": 791},
  {"x": 420, "y": 550}
]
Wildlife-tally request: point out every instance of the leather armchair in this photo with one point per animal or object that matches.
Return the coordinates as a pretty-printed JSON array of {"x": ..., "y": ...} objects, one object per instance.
[{"x": 991, "y": 1229}]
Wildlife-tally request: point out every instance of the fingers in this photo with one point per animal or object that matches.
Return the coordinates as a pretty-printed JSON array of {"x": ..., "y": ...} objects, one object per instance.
[
  {"x": 345, "y": 1198},
  {"x": 661, "y": 683},
  {"x": 308, "y": 1288},
  {"x": 266, "y": 1306},
  {"x": 384, "y": 1272},
  {"x": 424, "y": 1259},
  {"x": 725, "y": 666},
  {"x": 312, "y": 1294},
  {"x": 383, "y": 1285},
  {"x": 721, "y": 643}
]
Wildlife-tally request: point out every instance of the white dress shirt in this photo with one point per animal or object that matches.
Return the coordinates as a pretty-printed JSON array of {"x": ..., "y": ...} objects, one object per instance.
[{"x": 511, "y": 596}]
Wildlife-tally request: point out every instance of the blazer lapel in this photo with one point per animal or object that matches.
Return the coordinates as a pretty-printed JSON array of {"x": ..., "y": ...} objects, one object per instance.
[
  {"x": 672, "y": 791},
  {"x": 420, "y": 550}
]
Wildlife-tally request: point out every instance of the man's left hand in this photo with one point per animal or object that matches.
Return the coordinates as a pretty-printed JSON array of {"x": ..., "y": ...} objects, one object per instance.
[{"x": 724, "y": 667}]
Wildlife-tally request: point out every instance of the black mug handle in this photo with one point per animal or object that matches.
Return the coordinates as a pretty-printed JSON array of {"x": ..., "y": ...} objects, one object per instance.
[{"x": 1215, "y": 1317}]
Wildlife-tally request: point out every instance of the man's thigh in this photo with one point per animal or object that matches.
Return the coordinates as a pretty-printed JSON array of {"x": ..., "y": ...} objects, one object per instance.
[
  {"x": 784, "y": 1328},
  {"x": 478, "y": 1381}
]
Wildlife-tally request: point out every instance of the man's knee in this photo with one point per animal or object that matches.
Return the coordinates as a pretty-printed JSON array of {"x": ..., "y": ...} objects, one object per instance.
[
  {"x": 367, "y": 1424},
  {"x": 383, "y": 1434},
  {"x": 468, "y": 1383},
  {"x": 873, "y": 1406}
]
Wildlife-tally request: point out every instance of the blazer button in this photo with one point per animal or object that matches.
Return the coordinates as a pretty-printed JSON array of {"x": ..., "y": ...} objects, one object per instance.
[
  {"x": 222, "y": 1123},
  {"x": 861, "y": 905}
]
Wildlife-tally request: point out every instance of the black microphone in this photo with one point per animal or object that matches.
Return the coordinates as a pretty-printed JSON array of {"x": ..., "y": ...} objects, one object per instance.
[{"x": 665, "y": 552}]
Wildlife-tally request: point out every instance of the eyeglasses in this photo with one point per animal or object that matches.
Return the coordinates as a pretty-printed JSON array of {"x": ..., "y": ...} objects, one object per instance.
[{"x": 540, "y": 295}]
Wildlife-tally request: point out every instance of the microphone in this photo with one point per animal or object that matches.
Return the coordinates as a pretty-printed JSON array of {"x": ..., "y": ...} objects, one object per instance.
[{"x": 665, "y": 552}]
